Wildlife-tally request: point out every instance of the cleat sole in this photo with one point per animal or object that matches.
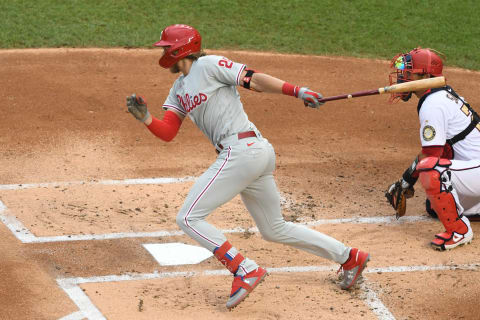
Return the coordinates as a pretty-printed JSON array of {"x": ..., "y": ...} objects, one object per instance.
[{"x": 443, "y": 248}]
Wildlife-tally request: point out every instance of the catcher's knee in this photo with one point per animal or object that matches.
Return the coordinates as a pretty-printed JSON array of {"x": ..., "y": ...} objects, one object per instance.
[
  {"x": 430, "y": 177},
  {"x": 430, "y": 181},
  {"x": 438, "y": 188}
]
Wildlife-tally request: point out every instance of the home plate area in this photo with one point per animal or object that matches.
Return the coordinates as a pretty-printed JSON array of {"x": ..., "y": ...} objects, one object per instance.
[
  {"x": 187, "y": 283},
  {"x": 175, "y": 254}
]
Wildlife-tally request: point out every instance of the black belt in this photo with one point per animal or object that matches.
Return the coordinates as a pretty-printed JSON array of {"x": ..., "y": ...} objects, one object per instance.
[{"x": 241, "y": 135}]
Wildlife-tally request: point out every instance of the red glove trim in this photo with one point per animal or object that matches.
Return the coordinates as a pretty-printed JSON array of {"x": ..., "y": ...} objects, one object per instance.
[
  {"x": 167, "y": 128},
  {"x": 290, "y": 89}
]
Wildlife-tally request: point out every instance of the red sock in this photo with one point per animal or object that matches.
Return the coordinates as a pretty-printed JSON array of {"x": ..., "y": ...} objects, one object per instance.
[{"x": 229, "y": 262}]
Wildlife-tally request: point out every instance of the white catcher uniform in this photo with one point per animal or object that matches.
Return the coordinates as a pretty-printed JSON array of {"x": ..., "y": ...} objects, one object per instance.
[
  {"x": 443, "y": 114},
  {"x": 245, "y": 164}
]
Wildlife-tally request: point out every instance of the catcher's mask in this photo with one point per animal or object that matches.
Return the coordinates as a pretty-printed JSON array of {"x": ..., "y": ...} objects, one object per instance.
[
  {"x": 418, "y": 61},
  {"x": 179, "y": 41}
]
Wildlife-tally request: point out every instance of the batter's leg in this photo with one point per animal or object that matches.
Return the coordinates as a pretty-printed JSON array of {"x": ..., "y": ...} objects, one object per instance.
[
  {"x": 225, "y": 178},
  {"x": 263, "y": 202},
  {"x": 233, "y": 170},
  {"x": 231, "y": 173}
]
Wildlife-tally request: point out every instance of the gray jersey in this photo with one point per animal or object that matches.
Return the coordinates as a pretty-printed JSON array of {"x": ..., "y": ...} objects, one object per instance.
[{"x": 208, "y": 95}]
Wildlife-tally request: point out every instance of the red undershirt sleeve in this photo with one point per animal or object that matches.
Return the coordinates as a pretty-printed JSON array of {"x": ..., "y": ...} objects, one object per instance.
[
  {"x": 433, "y": 151},
  {"x": 167, "y": 128}
]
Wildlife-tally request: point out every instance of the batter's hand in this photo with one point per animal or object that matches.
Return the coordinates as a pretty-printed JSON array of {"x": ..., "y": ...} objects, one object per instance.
[
  {"x": 137, "y": 106},
  {"x": 397, "y": 195},
  {"x": 310, "y": 98}
]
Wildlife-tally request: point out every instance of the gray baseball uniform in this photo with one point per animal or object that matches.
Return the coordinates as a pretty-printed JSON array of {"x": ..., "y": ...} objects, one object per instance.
[{"x": 245, "y": 164}]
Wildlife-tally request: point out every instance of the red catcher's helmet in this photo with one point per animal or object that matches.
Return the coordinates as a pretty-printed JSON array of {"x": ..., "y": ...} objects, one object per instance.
[
  {"x": 181, "y": 40},
  {"x": 419, "y": 61}
]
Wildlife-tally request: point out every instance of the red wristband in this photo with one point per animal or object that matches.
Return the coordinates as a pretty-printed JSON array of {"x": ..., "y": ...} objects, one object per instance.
[{"x": 290, "y": 89}]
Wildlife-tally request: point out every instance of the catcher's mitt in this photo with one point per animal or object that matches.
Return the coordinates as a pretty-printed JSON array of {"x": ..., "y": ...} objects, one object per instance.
[{"x": 397, "y": 195}]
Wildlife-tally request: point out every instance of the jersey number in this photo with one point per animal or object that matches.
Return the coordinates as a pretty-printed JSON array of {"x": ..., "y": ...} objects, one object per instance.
[
  {"x": 467, "y": 112},
  {"x": 225, "y": 63}
]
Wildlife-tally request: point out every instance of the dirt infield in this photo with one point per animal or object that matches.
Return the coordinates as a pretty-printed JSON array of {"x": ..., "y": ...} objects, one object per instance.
[{"x": 76, "y": 203}]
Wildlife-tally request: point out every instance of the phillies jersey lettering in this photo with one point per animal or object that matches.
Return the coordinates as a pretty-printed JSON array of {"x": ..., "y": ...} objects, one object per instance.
[
  {"x": 189, "y": 103},
  {"x": 208, "y": 96},
  {"x": 442, "y": 116}
]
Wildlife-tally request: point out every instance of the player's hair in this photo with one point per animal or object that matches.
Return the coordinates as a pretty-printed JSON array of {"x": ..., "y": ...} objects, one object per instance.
[{"x": 196, "y": 55}]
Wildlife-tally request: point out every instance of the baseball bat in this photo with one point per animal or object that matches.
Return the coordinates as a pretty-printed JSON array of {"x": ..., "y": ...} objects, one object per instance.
[{"x": 399, "y": 87}]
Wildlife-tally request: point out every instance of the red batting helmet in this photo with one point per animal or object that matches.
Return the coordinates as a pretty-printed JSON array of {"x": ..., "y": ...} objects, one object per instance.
[
  {"x": 180, "y": 41},
  {"x": 419, "y": 61}
]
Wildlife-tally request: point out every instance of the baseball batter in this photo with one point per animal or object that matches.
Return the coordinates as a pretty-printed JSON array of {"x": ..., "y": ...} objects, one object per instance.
[
  {"x": 206, "y": 92},
  {"x": 449, "y": 164}
]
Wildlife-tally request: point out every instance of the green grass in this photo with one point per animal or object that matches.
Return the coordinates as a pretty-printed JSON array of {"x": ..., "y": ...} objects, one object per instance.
[{"x": 368, "y": 28}]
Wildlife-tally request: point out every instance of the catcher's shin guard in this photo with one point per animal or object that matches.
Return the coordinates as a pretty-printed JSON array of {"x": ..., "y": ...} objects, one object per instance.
[
  {"x": 430, "y": 211},
  {"x": 438, "y": 189}
]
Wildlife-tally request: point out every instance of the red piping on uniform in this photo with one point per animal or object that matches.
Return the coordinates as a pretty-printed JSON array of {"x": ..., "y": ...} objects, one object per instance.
[
  {"x": 463, "y": 169},
  {"x": 201, "y": 194},
  {"x": 239, "y": 73}
]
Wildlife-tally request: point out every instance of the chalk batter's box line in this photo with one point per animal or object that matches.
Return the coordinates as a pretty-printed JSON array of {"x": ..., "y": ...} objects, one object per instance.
[
  {"x": 90, "y": 311},
  {"x": 96, "y": 182},
  {"x": 26, "y": 236}
]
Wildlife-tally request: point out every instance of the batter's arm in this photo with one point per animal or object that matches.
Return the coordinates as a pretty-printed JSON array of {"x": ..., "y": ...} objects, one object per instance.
[
  {"x": 178, "y": 114},
  {"x": 167, "y": 128},
  {"x": 263, "y": 82}
]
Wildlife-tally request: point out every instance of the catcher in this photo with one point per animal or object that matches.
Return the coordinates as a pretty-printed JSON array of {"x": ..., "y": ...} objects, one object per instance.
[{"x": 448, "y": 165}]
